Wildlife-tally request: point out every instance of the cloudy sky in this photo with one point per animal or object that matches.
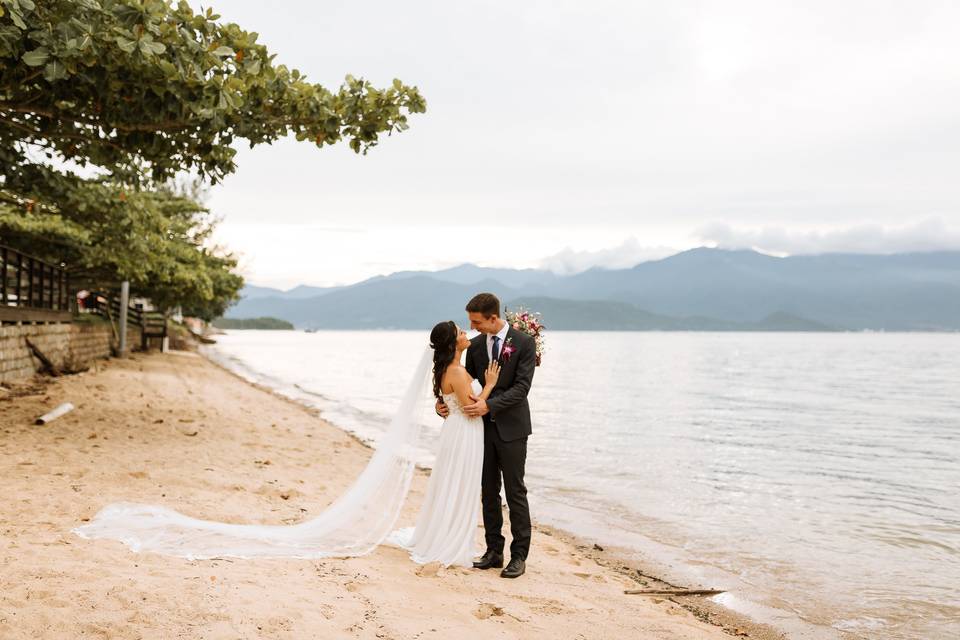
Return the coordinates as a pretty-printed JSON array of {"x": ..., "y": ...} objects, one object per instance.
[{"x": 574, "y": 134}]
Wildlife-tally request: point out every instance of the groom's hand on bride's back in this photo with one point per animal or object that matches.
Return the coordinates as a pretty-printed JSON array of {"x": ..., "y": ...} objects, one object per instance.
[
  {"x": 442, "y": 409},
  {"x": 478, "y": 408}
]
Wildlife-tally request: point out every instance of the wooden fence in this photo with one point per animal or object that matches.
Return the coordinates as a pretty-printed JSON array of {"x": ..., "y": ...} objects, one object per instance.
[
  {"x": 152, "y": 324},
  {"x": 32, "y": 290}
]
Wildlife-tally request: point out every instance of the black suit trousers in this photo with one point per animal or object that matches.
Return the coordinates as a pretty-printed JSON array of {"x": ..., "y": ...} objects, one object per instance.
[{"x": 506, "y": 459}]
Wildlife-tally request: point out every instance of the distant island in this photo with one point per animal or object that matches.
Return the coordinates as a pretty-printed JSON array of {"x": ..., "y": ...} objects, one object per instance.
[
  {"x": 697, "y": 290},
  {"x": 253, "y": 323}
]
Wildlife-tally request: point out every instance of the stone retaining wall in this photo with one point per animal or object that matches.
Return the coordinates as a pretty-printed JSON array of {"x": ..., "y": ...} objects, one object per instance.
[{"x": 67, "y": 345}]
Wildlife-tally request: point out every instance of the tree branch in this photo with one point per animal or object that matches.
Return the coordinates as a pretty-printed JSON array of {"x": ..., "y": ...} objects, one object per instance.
[{"x": 36, "y": 134}]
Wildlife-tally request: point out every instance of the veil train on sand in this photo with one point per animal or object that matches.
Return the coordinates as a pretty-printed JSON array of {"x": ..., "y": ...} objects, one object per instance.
[{"x": 353, "y": 525}]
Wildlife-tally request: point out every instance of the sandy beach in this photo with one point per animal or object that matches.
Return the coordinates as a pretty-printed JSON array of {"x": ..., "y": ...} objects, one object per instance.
[{"x": 177, "y": 430}]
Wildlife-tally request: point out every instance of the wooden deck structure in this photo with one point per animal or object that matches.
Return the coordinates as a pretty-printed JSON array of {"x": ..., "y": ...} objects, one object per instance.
[{"x": 32, "y": 290}]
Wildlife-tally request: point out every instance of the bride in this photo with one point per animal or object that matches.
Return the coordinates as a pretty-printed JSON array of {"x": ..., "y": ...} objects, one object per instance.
[
  {"x": 447, "y": 524},
  {"x": 365, "y": 515}
]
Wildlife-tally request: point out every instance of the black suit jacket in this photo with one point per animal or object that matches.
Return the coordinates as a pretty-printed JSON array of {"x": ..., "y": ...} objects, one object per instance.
[{"x": 509, "y": 409}]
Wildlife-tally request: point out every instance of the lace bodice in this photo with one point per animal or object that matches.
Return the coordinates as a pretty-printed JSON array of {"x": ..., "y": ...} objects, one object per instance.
[{"x": 451, "y": 400}]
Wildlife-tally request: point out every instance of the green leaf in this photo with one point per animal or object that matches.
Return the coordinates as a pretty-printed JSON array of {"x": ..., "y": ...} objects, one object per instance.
[
  {"x": 223, "y": 51},
  {"x": 149, "y": 48},
  {"x": 17, "y": 18},
  {"x": 36, "y": 58},
  {"x": 54, "y": 70},
  {"x": 126, "y": 44},
  {"x": 9, "y": 37},
  {"x": 235, "y": 101},
  {"x": 169, "y": 69}
]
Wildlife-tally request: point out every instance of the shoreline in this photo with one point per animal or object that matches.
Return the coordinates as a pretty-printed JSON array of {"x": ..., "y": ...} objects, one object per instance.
[
  {"x": 176, "y": 429},
  {"x": 616, "y": 558}
]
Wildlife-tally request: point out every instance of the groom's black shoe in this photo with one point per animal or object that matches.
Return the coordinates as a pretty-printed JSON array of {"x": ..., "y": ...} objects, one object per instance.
[
  {"x": 515, "y": 569},
  {"x": 489, "y": 560}
]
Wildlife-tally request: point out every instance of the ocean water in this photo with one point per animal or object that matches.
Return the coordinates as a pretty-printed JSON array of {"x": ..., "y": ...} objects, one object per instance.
[{"x": 814, "y": 476}]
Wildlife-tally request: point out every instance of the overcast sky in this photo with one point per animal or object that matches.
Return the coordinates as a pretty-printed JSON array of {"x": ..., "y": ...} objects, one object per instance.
[{"x": 575, "y": 134}]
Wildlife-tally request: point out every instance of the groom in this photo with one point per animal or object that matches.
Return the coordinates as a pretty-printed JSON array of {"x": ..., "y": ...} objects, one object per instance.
[{"x": 506, "y": 425}]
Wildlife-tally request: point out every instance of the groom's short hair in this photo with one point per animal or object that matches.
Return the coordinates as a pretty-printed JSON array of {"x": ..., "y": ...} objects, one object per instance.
[{"x": 485, "y": 303}]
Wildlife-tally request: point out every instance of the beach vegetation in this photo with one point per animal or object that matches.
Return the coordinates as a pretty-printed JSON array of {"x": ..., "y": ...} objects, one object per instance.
[{"x": 253, "y": 323}]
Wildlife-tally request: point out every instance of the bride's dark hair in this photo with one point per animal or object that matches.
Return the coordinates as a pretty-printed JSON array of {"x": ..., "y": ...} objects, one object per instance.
[{"x": 443, "y": 339}]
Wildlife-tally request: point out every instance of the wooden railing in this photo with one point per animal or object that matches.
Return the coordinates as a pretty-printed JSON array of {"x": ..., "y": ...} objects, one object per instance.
[
  {"x": 152, "y": 324},
  {"x": 32, "y": 290}
]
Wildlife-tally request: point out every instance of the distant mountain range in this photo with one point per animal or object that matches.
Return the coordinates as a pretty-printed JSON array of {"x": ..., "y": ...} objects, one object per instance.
[{"x": 701, "y": 289}]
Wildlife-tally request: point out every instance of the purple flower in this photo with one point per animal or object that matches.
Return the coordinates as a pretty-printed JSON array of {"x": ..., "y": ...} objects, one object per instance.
[{"x": 508, "y": 350}]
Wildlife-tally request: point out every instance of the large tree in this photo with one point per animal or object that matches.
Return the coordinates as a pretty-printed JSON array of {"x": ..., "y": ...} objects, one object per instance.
[{"x": 135, "y": 93}]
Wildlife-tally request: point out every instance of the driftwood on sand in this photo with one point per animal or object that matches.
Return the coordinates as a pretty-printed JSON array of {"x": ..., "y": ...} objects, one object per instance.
[
  {"x": 201, "y": 338},
  {"x": 673, "y": 592},
  {"x": 48, "y": 366},
  {"x": 69, "y": 367}
]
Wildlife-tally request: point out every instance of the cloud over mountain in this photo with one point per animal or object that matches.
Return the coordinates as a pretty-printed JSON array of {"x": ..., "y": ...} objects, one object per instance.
[
  {"x": 931, "y": 234},
  {"x": 623, "y": 256}
]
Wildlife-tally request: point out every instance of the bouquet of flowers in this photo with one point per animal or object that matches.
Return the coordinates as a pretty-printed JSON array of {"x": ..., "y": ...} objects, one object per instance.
[{"x": 529, "y": 323}]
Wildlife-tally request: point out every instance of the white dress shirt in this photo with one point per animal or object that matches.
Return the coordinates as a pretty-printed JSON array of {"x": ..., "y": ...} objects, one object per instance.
[{"x": 503, "y": 338}]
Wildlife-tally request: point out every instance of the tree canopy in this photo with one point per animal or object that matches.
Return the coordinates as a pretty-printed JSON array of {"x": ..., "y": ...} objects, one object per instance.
[
  {"x": 149, "y": 88},
  {"x": 133, "y": 93}
]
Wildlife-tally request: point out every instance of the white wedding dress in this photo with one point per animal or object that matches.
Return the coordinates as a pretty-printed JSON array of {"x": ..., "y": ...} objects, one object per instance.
[
  {"x": 356, "y": 522},
  {"x": 446, "y": 530}
]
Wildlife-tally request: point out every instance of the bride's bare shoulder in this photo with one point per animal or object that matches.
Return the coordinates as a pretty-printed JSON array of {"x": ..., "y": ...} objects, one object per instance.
[{"x": 456, "y": 372}]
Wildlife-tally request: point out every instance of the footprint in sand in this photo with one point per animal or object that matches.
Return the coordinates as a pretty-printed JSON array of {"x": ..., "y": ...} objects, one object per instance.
[
  {"x": 595, "y": 577},
  {"x": 544, "y": 605},
  {"x": 95, "y": 631},
  {"x": 430, "y": 570},
  {"x": 275, "y": 492},
  {"x": 486, "y": 610}
]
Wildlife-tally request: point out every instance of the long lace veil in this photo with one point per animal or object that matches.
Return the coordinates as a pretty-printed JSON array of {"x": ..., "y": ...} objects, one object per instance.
[{"x": 353, "y": 525}]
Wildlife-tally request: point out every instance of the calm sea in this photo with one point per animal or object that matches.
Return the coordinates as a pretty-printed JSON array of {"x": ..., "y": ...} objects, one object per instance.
[{"x": 815, "y": 476}]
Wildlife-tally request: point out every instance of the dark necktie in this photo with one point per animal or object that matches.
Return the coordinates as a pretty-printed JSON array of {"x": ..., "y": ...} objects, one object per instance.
[{"x": 495, "y": 350}]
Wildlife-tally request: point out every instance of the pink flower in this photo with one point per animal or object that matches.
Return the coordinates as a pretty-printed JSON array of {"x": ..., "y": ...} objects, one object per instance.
[{"x": 529, "y": 323}]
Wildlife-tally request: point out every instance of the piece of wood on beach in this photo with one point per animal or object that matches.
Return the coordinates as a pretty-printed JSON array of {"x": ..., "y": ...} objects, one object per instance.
[
  {"x": 673, "y": 592},
  {"x": 61, "y": 410},
  {"x": 199, "y": 337},
  {"x": 47, "y": 364}
]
